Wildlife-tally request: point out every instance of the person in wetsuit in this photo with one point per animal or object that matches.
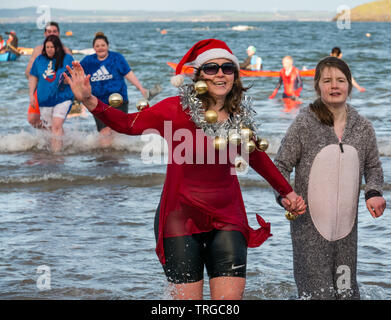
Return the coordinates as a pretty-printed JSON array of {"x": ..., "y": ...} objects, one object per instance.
[{"x": 290, "y": 78}]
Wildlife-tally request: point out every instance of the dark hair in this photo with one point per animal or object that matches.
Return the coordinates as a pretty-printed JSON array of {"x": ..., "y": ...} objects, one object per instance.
[
  {"x": 233, "y": 99},
  {"x": 54, "y": 24},
  {"x": 318, "y": 107},
  {"x": 336, "y": 51},
  {"x": 59, "y": 50},
  {"x": 100, "y": 35}
]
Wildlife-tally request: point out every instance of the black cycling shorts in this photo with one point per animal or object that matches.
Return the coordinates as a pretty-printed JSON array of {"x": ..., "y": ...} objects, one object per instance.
[
  {"x": 123, "y": 107},
  {"x": 223, "y": 253}
]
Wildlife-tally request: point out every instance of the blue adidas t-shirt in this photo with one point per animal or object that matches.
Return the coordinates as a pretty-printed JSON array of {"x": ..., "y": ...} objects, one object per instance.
[
  {"x": 107, "y": 76},
  {"x": 50, "y": 90}
]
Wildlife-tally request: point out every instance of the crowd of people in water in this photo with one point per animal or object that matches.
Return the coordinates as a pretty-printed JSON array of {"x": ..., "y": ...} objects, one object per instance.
[
  {"x": 201, "y": 219},
  {"x": 50, "y": 103}
]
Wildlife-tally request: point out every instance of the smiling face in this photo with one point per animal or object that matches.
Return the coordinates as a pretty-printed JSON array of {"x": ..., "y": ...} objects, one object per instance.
[
  {"x": 101, "y": 48},
  {"x": 333, "y": 87},
  {"x": 50, "y": 49},
  {"x": 219, "y": 84}
]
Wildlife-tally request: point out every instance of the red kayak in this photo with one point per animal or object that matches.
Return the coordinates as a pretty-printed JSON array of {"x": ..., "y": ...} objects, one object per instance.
[{"x": 249, "y": 73}]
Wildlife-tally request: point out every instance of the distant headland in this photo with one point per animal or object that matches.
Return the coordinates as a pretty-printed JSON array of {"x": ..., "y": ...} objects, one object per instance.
[{"x": 375, "y": 11}]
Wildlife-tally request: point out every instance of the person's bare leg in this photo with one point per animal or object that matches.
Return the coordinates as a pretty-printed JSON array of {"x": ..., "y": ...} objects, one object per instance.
[
  {"x": 105, "y": 137},
  {"x": 187, "y": 291},
  {"x": 57, "y": 134},
  {"x": 227, "y": 288}
]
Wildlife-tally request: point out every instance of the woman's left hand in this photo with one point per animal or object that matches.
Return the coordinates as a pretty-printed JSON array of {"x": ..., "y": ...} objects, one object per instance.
[{"x": 376, "y": 206}]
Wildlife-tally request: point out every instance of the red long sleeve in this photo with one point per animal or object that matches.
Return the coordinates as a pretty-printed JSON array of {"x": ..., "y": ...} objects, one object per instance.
[
  {"x": 262, "y": 164},
  {"x": 136, "y": 123}
]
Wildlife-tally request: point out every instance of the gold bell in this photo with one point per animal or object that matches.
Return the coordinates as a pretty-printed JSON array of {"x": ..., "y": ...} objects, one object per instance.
[
  {"x": 246, "y": 133},
  {"x": 220, "y": 143},
  {"x": 142, "y": 104},
  {"x": 200, "y": 87},
  {"x": 211, "y": 116},
  {"x": 262, "y": 144},
  {"x": 249, "y": 146},
  {"x": 234, "y": 138},
  {"x": 290, "y": 216},
  {"x": 240, "y": 164},
  {"x": 115, "y": 100}
]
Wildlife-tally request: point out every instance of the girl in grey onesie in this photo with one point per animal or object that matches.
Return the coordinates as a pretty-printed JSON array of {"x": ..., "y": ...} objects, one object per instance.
[{"x": 331, "y": 147}]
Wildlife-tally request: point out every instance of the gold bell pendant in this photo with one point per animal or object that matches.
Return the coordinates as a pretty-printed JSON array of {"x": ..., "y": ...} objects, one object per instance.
[
  {"x": 142, "y": 104},
  {"x": 115, "y": 100},
  {"x": 291, "y": 216},
  {"x": 246, "y": 133},
  {"x": 240, "y": 164},
  {"x": 262, "y": 144},
  {"x": 235, "y": 138},
  {"x": 200, "y": 87},
  {"x": 211, "y": 116},
  {"x": 220, "y": 143},
  {"x": 249, "y": 146}
]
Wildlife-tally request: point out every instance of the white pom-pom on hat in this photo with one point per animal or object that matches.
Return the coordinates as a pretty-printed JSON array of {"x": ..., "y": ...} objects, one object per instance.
[{"x": 177, "y": 80}]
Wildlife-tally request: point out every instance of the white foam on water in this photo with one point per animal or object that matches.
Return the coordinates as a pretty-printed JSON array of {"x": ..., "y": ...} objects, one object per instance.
[{"x": 75, "y": 142}]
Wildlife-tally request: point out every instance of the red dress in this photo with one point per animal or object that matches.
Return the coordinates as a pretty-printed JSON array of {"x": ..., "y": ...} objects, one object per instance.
[{"x": 197, "y": 196}]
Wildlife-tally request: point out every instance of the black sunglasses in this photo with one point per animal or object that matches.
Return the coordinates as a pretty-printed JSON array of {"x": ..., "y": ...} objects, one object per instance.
[{"x": 213, "y": 68}]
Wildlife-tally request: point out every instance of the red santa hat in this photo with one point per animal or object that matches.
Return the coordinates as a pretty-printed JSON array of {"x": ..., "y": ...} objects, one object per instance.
[{"x": 202, "y": 52}]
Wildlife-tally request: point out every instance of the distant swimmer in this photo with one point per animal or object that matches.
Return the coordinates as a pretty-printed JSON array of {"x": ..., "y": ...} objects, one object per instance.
[
  {"x": 336, "y": 52},
  {"x": 290, "y": 78},
  {"x": 253, "y": 62},
  {"x": 33, "y": 113}
]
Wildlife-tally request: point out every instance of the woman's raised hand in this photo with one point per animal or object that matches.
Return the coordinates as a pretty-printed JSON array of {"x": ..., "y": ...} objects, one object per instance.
[{"x": 80, "y": 85}]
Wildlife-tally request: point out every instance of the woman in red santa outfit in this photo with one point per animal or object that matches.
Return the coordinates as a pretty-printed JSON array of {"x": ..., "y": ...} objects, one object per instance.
[{"x": 201, "y": 219}]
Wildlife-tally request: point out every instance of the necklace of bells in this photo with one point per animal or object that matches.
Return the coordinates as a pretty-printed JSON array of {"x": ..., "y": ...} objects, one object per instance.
[{"x": 239, "y": 128}]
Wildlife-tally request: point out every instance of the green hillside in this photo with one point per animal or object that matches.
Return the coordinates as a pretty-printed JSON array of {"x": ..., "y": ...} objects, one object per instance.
[{"x": 378, "y": 11}]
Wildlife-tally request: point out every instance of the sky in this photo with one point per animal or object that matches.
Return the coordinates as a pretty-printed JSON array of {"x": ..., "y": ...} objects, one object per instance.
[{"x": 181, "y": 5}]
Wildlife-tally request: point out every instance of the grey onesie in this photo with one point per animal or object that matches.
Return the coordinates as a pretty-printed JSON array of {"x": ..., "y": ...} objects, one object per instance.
[{"x": 328, "y": 174}]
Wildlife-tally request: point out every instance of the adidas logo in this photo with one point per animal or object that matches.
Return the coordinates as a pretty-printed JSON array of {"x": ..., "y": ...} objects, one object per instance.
[{"x": 101, "y": 75}]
